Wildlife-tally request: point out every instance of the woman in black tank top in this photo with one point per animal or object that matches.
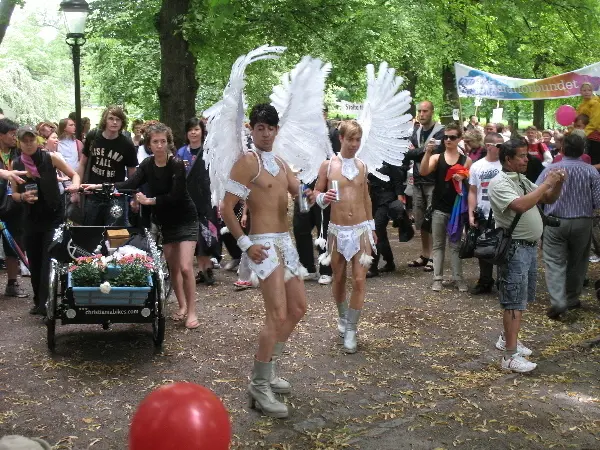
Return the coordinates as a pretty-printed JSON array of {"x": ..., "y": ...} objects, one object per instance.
[{"x": 444, "y": 195}]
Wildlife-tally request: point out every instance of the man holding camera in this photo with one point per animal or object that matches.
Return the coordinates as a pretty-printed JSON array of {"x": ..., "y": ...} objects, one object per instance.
[
  {"x": 567, "y": 243},
  {"x": 514, "y": 199}
]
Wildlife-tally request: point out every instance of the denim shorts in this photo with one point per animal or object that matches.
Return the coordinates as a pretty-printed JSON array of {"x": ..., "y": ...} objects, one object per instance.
[{"x": 517, "y": 278}]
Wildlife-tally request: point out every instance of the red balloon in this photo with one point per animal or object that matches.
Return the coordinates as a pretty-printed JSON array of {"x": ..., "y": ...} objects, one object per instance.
[
  {"x": 565, "y": 115},
  {"x": 180, "y": 416}
]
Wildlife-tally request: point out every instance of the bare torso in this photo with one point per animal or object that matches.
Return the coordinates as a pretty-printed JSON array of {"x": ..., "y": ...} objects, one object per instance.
[
  {"x": 268, "y": 202},
  {"x": 350, "y": 210}
]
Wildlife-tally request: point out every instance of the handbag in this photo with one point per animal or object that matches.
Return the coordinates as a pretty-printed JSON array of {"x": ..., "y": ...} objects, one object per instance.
[
  {"x": 8, "y": 207},
  {"x": 493, "y": 245},
  {"x": 428, "y": 216},
  {"x": 468, "y": 243}
]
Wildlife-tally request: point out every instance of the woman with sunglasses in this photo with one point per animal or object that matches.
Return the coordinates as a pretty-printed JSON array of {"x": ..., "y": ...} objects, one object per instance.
[{"x": 444, "y": 195}]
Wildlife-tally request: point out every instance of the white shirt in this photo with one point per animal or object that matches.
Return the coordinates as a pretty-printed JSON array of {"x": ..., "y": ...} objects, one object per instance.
[
  {"x": 68, "y": 149},
  {"x": 480, "y": 175}
]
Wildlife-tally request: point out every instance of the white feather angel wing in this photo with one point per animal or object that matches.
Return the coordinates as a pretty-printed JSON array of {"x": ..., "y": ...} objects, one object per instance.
[
  {"x": 303, "y": 138},
  {"x": 224, "y": 143},
  {"x": 384, "y": 120}
]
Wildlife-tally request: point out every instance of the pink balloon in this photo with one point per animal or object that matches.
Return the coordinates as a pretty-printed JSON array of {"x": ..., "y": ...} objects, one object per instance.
[{"x": 565, "y": 115}]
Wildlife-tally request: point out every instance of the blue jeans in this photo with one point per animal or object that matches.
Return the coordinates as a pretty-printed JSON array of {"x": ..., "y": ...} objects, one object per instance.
[{"x": 518, "y": 277}]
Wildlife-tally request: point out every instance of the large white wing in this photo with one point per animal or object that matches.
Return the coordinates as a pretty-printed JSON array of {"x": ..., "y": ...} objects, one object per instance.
[
  {"x": 303, "y": 138},
  {"x": 384, "y": 120},
  {"x": 224, "y": 143}
]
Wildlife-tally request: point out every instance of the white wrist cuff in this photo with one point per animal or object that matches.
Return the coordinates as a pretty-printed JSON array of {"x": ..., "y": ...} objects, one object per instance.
[
  {"x": 244, "y": 243},
  {"x": 372, "y": 224},
  {"x": 321, "y": 201}
]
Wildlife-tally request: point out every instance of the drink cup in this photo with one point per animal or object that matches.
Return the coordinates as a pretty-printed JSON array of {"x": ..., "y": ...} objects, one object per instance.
[{"x": 335, "y": 187}]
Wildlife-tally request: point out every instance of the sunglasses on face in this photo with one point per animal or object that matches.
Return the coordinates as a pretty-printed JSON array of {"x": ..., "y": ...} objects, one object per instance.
[{"x": 450, "y": 137}]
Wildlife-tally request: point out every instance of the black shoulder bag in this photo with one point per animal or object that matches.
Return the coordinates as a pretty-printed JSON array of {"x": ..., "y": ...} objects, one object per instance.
[{"x": 493, "y": 245}]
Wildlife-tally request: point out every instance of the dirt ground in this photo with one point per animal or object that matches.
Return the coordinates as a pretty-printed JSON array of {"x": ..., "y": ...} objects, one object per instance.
[{"x": 426, "y": 375}]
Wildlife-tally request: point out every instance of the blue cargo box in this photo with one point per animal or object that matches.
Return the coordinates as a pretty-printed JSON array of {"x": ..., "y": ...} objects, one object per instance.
[{"x": 118, "y": 296}]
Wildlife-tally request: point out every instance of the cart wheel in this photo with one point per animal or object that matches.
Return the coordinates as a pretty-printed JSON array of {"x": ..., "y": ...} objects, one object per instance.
[
  {"x": 158, "y": 331},
  {"x": 51, "y": 305}
]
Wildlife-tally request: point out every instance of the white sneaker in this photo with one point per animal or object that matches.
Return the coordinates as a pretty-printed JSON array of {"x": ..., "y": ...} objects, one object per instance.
[
  {"x": 232, "y": 265},
  {"x": 521, "y": 349},
  {"x": 215, "y": 263},
  {"x": 311, "y": 276},
  {"x": 462, "y": 286},
  {"x": 24, "y": 270},
  {"x": 594, "y": 258},
  {"x": 436, "y": 286},
  {"x": 325, "y": 279},
  {"x": 516, "y": 363}
]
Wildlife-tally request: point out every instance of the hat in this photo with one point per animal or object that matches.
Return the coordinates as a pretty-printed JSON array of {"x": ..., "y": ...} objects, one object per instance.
[
  {"x": 22, "y": 443},
  {"x": 27, "y": 129}
]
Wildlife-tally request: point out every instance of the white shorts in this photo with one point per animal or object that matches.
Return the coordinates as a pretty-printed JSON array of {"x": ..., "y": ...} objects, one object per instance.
[{"x": 279, "y": 245}]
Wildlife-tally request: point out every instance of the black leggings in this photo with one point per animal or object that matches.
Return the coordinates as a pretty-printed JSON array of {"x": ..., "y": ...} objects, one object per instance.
[{"x": 36, "y": 245}]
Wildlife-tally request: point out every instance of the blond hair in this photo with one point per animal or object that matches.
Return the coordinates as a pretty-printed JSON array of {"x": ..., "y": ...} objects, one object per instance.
[
  {"x": 475, "y": 138},
  {"x": 350, "y": 128}
]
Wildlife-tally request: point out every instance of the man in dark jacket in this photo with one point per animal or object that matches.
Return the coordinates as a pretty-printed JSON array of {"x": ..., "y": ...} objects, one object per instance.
[
  {"x": 383, "y": 193},
  {"x": 423, "y": 185}
]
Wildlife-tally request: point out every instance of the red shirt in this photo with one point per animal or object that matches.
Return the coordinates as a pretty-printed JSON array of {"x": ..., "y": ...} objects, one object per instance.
[{"x": 537, "y": 150}]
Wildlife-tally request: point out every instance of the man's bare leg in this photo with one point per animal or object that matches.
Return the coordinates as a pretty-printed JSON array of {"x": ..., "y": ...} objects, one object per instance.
[
  {"x": 259, "y": 390},
  {"x": 338, "y": 287},
  {"x": 296, "y": 308},
  {"x": 426, "y": 244},
  {"x": 357, "y": 300},
  {"x": 512, "y": 326}
]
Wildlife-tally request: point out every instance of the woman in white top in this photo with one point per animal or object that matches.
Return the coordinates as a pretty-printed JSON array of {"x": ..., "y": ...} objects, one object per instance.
[{"x": 68, "y": 146}]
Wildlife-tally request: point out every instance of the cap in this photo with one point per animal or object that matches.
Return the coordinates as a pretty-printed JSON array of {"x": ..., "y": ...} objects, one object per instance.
[{"x": 27, "y": 129}]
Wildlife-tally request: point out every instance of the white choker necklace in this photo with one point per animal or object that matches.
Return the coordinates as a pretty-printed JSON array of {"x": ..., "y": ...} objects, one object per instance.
[
  {"x": 269, "y": 162},
  {"x": 349, "y": 169}
]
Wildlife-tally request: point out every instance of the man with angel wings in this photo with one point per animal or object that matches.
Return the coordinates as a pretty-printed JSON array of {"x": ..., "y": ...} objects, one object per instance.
[
  {"x": 366, "y": 144},
  {"x": 292, "y": 133}
]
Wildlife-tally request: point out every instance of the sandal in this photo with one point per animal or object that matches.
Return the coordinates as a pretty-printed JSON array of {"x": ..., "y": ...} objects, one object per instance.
[
  {"x": 192, "y": 325},
  {"x": 429, "y": 266},
  {"x": 178, "y": 316},
  {"x": 421, "y": 261}
]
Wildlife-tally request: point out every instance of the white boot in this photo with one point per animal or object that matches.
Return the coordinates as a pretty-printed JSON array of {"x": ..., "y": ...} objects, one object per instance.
[
  {"x": 342, "y": 308},
  {"x": 352, "y": 318},
  {"x": 278, "y": 385},
  {"x": 260, "y": 394}
]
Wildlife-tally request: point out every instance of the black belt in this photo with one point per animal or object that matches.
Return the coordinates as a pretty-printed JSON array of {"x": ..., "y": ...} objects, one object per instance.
[{"x": 524, "y": 243}]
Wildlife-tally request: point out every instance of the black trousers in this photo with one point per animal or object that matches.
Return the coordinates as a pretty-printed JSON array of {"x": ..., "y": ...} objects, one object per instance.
[
  {"x": 229, "y": 241},
  {"x": 380, "y": 205},
  {"x": 37, "y": 241},
  {"x": 303, "y": 224},
  {"x": 593, "y": 149},
  {"x": 486, "y": 269}
]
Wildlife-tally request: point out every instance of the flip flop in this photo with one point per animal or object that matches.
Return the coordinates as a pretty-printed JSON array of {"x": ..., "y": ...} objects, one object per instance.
[
  {"x": 193, "y": 325},
  {"x": 177, "y": 316},
  {"x": 429, "y": 266},
  {"x": 421, "y": 261}
]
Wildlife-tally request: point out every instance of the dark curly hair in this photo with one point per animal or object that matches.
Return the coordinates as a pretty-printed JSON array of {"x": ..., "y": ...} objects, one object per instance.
[
  {"x": 154, "y": 127},
  {"x": 264, "y": 113},
  {"x": 193, "y": 123}
]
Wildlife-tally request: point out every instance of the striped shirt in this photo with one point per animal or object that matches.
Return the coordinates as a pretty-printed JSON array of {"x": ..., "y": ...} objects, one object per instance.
[{"x": 580, "y": 193}]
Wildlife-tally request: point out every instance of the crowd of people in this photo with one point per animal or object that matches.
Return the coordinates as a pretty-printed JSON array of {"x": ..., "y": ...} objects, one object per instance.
[{"x": 542, "y": 186}]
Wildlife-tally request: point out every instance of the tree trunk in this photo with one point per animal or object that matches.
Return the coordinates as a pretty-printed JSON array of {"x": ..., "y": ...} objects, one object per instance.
[
  {"x": 538, "y": 114},
  {"x": 178, "y": 84},
  {"x": 410, "y": 84},
  {"x": 449, "y": 92},
  {"x": 6, "y": 9}
]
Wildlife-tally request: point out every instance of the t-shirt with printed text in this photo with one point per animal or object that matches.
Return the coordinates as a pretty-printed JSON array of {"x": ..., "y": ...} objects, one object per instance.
[
  {"x": 480, "y": 175},
  {"x": 109, "y": 157}
]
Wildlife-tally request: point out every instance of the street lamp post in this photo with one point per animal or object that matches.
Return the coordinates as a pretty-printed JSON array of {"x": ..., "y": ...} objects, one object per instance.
[{"x": 76, "y": 12}]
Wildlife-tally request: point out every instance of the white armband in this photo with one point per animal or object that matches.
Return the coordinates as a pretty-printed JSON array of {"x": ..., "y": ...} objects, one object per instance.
[
  {"x": 237, "y": 189},
  {"x": 244, "y": 243},
  {"x": 321, "y": 201},
  {"x": 371, "y": 224}
]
